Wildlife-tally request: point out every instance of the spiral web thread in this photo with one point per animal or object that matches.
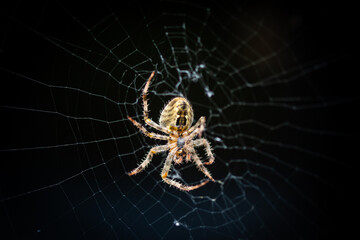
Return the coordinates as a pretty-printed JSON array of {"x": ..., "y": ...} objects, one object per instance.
[{"x": 257, "y": 96}]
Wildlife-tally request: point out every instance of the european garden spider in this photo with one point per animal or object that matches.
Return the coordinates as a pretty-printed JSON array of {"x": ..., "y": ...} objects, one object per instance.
[{"x": 175, "y": 120}]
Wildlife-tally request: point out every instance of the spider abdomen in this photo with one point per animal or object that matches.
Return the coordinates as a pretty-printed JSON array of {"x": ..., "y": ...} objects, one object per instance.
[{"x": 177, "y": 114}]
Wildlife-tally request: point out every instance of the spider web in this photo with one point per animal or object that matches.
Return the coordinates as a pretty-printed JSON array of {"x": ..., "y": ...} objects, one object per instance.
[{"x": 275, "y": 83}]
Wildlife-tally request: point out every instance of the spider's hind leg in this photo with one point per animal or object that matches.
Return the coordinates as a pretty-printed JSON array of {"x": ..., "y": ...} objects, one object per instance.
[
  {"x": 146, "y": 132},
  {"x": 147, "y": 120}
]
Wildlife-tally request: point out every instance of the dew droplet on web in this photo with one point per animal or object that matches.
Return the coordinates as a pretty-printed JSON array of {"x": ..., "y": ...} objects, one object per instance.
[{"x": 208, "y": 92}]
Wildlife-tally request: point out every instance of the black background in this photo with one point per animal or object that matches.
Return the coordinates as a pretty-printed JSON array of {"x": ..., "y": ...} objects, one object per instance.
[{"x": 316, "y": 30}]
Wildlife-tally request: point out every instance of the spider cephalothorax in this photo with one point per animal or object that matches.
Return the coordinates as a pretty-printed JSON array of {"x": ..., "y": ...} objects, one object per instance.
[{"x": 175, "y": 120}]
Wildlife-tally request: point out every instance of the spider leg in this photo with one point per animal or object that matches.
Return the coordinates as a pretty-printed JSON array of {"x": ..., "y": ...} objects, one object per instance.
[
  {"x": 201, "y": 166},
  {"x": 146, "y": 110},
  {"x": 148, "y": 158},
  {"x": 204, "y": 142},
  {"x": 197, "y": 128},
  {"x": 165, "y": 172},
  {"x": 146, "y": 132},
  {"x": 178, "y": 160}
]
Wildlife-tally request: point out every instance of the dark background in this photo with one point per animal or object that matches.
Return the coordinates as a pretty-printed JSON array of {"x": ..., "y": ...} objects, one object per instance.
[{"x": 323, "y": 32}]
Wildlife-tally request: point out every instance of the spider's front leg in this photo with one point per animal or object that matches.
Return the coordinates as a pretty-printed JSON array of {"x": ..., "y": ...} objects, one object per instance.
[
  {"x": 206, "y": 144},
  {"x": 147, "y": 160},
  {"x": 201, "y": 166},
  {"x": 165, "y": 172}
]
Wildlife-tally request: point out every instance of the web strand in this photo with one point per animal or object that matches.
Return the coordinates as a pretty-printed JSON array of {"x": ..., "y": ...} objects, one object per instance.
[{"x": 68, "y": 143}]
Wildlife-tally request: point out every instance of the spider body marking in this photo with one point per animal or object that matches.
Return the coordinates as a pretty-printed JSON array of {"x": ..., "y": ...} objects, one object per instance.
[
  {"x": 177, "y": 115},
  {"x": 175, "y": 121}
]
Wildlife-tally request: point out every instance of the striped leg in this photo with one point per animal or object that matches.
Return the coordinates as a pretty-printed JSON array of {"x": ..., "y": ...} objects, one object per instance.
[
  {"x": 198, "y": 128},
  {"x": 146, "y": 110},
  {"x": 147, "y": 160},
  {"x": 206, "y": 144},
  {"x": 174, "y": 183},
  {"x": 201, "y": 166},
  {"x": 146, "y": 132}
]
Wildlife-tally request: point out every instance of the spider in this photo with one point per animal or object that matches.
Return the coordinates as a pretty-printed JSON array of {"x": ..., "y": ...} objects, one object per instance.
[{"x": 175, "y": 120}]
